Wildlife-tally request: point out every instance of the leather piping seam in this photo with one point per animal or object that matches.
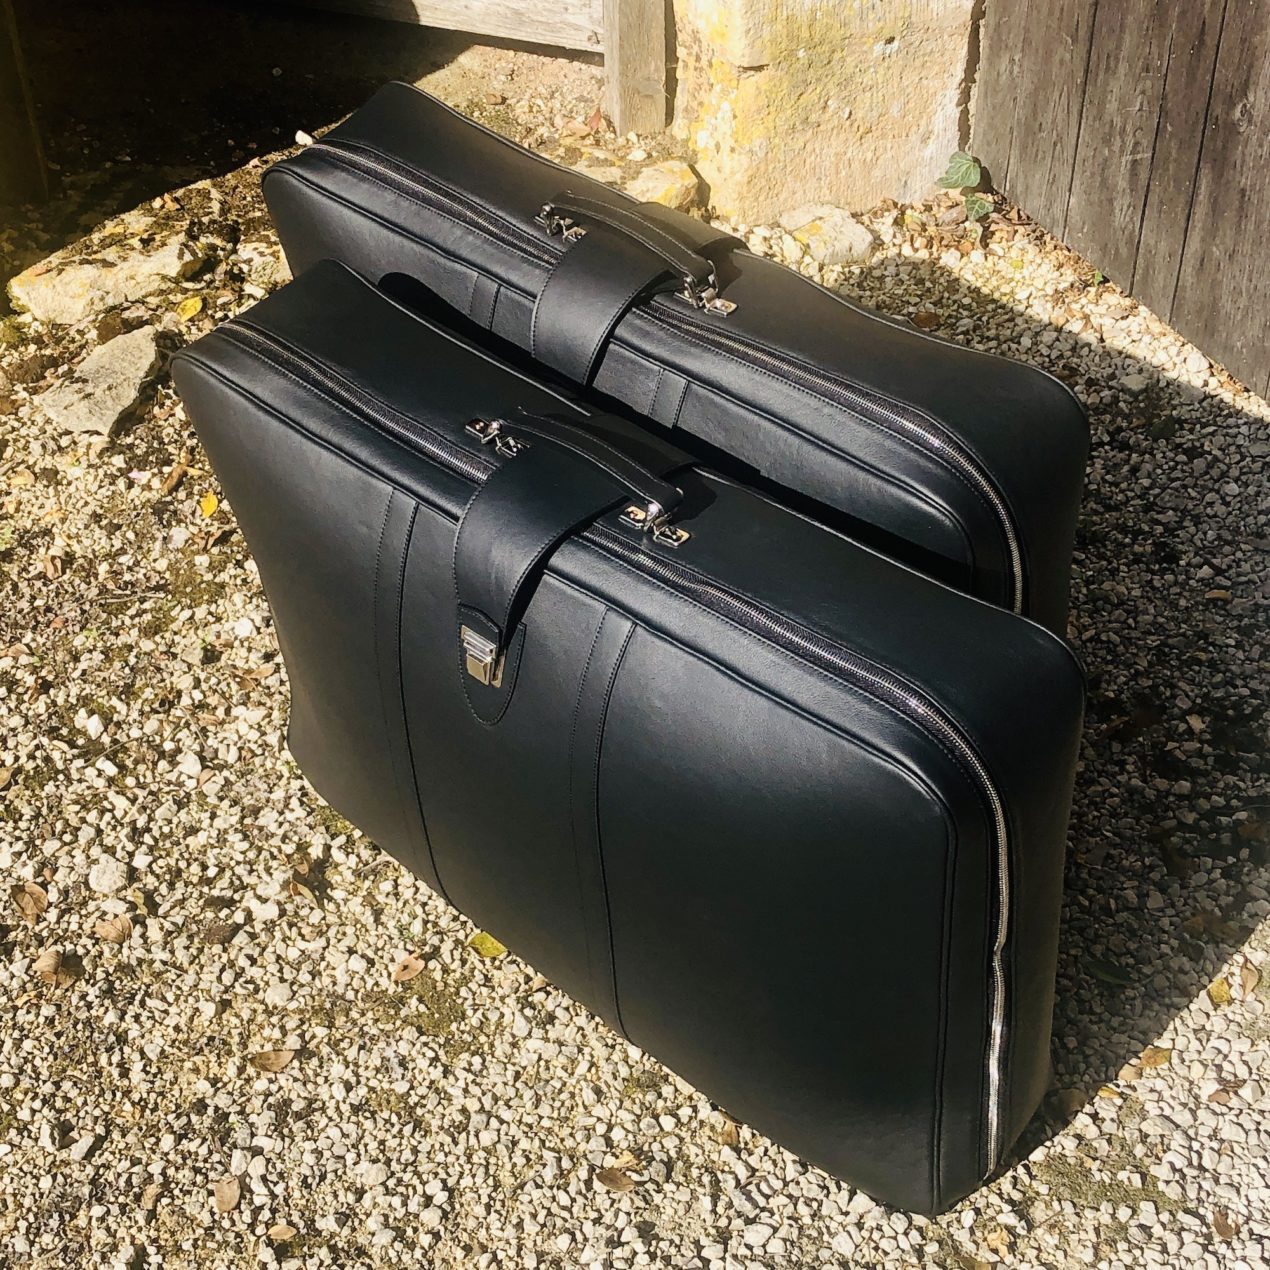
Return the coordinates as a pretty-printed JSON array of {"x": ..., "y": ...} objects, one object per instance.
[
  {"x": 839, "y": 455},
  {"x": 595, "y": 811}
]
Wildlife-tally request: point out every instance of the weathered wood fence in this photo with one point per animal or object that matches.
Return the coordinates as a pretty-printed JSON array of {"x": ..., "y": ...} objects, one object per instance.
[{"x": 1138, "y": 131}]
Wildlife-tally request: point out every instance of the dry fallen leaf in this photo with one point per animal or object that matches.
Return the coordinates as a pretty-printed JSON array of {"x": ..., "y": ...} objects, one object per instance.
[
  {"x": 227, "y": 1192},
  {"x": 998, "y": 1240},
  {"x": 57, "y": 967},
  {"x": 1155, "y": 1056},
  {"x": 1219, "y": 992},
  {"x": 728, "y": 1133},
  {"x": 626, "y": 1160},
  {"x": 6, "y": 775},
  {"x": 297, "y": 888},
  {"x": 150, "y": 1196},
  {"x": 1223, "y": 1226},
  {"x": 280, "y": 1233},
  {"x": 485, "y": 945},
  {"x": 925, "y": 320},
  {"x": 271, "y": 1060},
  {"x": 967, "y": 1262},
  {"x": 615, "y": 1180},
  {"x": 190, "y": 308},
  {"x": 30, "y": 899},
  {"x": 1249, "y": 978},
  {"x": 407, "y": 968},
  {"x": 208, "y": 504},
  {"x": 114, "y": 930},
  {"x": 52, "y": 567},
  {"x": 175, "y": 474}
]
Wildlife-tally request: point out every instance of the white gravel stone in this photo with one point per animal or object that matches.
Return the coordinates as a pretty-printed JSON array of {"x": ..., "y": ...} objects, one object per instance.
[{"x": 108, "y": 876}]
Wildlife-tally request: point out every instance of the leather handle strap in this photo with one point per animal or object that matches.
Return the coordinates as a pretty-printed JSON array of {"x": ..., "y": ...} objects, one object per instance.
[
  {"x": 679, "y": 255},
  {"x": 589, "y": 290},
  {"x": 559, "y": 479}
]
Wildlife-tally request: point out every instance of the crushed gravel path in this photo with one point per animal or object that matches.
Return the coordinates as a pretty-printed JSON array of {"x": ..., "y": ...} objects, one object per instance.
[{"x": 234, "y": 1033}]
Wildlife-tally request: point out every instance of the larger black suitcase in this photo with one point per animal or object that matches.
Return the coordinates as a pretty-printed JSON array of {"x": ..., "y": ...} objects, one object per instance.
[
  {"x": 783, "y": 812},
  {"x": 966, "y": 465}
]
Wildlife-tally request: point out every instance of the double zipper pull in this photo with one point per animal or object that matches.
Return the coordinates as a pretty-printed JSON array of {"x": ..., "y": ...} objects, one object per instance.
[
  {"x": 554, "y": 223},
  {"x": 481, "y": 658},
  {"x": 490, "y": 431},
  {"x": 655, "y": 522}
]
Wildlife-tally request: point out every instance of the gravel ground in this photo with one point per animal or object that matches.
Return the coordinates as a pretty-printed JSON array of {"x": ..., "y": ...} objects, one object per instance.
[{"x": 235, "y": 1033}]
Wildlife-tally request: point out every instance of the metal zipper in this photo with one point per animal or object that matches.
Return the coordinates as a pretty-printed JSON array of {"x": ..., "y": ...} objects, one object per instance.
[
  {"x": 872, "y": 407},
  {"x": 773, "y": 627}
]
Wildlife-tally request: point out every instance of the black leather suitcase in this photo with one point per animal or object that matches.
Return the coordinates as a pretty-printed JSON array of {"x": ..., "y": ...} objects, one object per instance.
[
  {"x": 966, "y": 465},
  {"x": 785, "y": 813}
]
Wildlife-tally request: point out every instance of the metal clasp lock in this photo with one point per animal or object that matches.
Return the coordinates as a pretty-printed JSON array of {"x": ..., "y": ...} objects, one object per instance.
[
  {"x": 655, "y": 522},
  {"x": 491, "y": 431},
  {"x": 705, "y": 296},
  {"x": 481, "y": 658}
]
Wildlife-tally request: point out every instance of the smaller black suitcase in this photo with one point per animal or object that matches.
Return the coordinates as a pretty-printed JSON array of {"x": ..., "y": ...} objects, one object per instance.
[
  {"x": 785, "y": 813},
  {"x": 965, "y": 465}
]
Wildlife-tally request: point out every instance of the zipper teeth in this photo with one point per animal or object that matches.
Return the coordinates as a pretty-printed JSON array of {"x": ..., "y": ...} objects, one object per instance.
[
  {"x": 748, "y": 613},
  {"x": 863, "y": 403}
]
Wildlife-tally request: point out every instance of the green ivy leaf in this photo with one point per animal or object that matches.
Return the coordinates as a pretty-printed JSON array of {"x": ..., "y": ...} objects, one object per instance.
[
  {"x": 977, "y": 206},
  {"x": 963, "y": 172}
]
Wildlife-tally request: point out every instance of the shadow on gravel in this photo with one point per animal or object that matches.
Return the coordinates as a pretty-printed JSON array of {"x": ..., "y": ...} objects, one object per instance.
[
  {"x": 1169, "y": 853},
  {"x": 138, "y": 97}
]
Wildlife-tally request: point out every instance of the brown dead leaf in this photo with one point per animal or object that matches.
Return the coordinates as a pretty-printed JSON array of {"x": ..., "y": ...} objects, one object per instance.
[
  {"x": 57, "y": 967},
  {"x": 925, "y": 320},
  {"x": 1249, "y": 978},
  {"x": 1224, "y": 1227},
  {"x": 728, "y": 1131},
  {"x": 597, "y": 121},
  {"x": 998, "y": 1240},
  {"x": 271, "y": 1060},
  {"x": 296, "y": 888},
  {"x": 1219, "y": 992},
  {"x": 226, "y": 1193},
  {"x": 615, "y": 1180},
  {"x": 6, "y": 775},
  {"x": 114, "y": 930},
  {"x": 1220, "y": 593},
  {"x": 52, "y": 567},
  {"x": 30, "y": 899},
  {"x": 407, "y": 968},
  {"x": 150, "y": 1196},
  {"x": 1155, "y": 1056},
  {"x": 280, "y": 1233},
  {"x": 21, "y": 478},
  {"x": 176, "y": 473},
  {"x": 968, "y": 1262},
  {"x": 21, "y": 650}
]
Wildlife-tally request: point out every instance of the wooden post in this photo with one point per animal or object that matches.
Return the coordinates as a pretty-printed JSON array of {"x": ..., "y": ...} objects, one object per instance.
[
  {"x": 635, "y": 64},
  {"x": 22, "y": 174}
]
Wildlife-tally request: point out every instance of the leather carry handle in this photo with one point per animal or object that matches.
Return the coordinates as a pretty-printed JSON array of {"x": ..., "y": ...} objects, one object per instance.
[
  {"x": 614, "y": 258},
  {"x": 558, "y": 476},
  {"x": 562, "y": 214}
]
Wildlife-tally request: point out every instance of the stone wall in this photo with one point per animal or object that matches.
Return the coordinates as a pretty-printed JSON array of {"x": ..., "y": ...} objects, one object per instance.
[{"x": 795, "y": 102}]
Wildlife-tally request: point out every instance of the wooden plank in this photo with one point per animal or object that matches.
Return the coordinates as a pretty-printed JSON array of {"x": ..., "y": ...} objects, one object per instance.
[
  {"x": 1046, "y": 132},
  {"x": 1188, "y": 76},
  {"x": 1124, "y": 92},
  {"x": 635, "y": 64},
  {"x": 1224, "y": 282},
  {"x": 22, "y": 173},
  {"x": 575, "y": 24},
  {"x": 1001, "y": 84}
]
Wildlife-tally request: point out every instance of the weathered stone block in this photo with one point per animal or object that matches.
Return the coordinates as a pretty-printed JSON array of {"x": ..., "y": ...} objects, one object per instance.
[{"x": 795, "y": 102}]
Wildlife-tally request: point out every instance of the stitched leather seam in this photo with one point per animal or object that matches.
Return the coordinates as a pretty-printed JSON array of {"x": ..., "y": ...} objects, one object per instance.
[
  {"x": 941, "y": 1028},
  {"x": 785, "y": 384},
  {"x": 375, "y": 635},
  {"x": 406, "y": 539},
  {"x": 573, "y": 793},
  {"x": 599, "y": 840}
]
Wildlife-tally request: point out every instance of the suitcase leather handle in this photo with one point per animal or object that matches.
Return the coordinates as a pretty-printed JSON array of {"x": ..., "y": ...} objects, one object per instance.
[
  {"x": 570, "y": 213},
  {"x": 615, "y": 257},
  {"x": 557, "y": 477}
]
